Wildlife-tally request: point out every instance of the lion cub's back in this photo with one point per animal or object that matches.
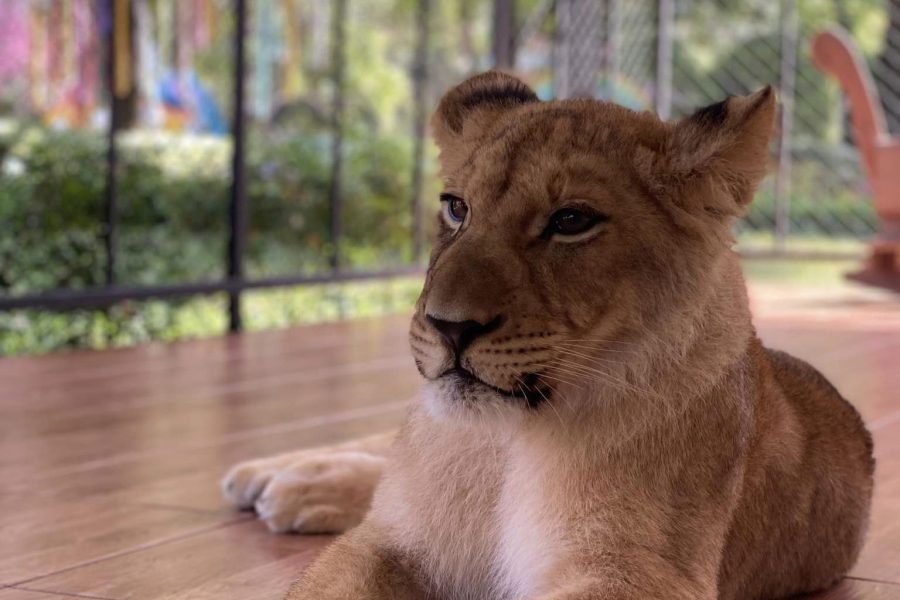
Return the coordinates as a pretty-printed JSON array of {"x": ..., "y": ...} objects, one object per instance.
[
  {"x": 833, "y": 422},
  {"x": 813, "y": 511},
  {"x": 836, "y": 429}
]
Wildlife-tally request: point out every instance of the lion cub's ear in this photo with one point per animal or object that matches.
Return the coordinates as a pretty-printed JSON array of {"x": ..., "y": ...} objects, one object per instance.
[
  {"x": 467, "y": 110},
  {"x": 718, "y": 155}
]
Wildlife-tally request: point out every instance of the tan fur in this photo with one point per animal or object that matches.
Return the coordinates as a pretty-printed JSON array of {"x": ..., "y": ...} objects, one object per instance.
[
  {"x": 632, "y": 438},
  {"x": 322, "y": 490}
]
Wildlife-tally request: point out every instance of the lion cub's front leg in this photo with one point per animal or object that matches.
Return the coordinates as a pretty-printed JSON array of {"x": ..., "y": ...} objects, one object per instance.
[
  {"x": 589, "y": 589},
  {"x": 358, "y": 566},
  {"x": 320, "y": 490}
]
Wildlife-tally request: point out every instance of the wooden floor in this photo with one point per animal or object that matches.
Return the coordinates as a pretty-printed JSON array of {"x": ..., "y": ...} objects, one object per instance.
[{"x": 110, "y": 461}]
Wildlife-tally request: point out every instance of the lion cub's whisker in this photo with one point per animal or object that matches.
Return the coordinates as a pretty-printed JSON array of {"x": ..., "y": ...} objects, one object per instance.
[
  {"x": 547, "y": 403},
  {"x": 424, "y": 340},
  {"x": 589, "y": 357},
  {"x": 621, "y": 387},
  {"x": 598, "y": 346},
  {"x": 543, "y": 374},
  {"x": 600, "y": 340},
  {"x": 560, "y": 379},
  {"x": 609, "y": 377}
]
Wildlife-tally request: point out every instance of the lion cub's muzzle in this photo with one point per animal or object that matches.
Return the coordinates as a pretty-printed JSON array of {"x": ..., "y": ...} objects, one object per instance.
[
  {"x": 462, "y": 374},
  {"x": 460, "y": 334}
]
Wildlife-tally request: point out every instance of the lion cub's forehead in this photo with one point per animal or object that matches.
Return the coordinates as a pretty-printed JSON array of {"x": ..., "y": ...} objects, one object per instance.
[
  {"x": 569, "y": 125},
  {"x": 544, "y": 148}
]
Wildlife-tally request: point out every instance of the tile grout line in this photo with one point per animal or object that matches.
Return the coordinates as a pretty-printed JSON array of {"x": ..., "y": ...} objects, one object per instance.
[
  {"x": 844, "y": 324},
  {"x": 870, "y": 580},
  {"x": 67, "y": 594},
  {"x": 194, "y": 510},
  {"x": 224, "y": 354},
  {"x": 302, "y": 424},
  {"x": 395, "y": 353},
  {"x": 133, "y": 550},
  {"x": 212, "y": 391},
  {"x": 279, "y": 428},
  {"x": 850, "y": 350}
]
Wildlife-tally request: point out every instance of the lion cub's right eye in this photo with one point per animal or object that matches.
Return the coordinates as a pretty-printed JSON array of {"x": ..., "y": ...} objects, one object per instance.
[
  {"x": 455, "y": 209},
  {"x": 573, "y": 224}
]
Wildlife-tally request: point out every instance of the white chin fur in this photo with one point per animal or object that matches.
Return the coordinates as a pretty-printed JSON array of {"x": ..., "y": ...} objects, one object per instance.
[{"x": 445, "y": 402}]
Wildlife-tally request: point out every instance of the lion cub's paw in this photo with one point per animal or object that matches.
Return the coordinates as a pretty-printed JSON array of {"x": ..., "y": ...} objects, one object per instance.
[
  {"x": 321, "y": 492},
  {"x": 243, "y": 484}
]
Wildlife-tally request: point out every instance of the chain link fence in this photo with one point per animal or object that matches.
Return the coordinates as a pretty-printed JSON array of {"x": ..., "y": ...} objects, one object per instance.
[
  {"x": 121, "y": 146},
  {"x": 674, "y": 56},
  {"x": 160, "y": 160}
]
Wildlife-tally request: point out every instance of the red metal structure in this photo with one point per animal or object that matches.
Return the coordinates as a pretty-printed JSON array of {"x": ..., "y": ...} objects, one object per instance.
[{"x": 835, "y": 53}]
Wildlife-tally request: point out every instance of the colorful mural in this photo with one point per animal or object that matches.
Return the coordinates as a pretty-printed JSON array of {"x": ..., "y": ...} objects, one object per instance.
[{"x": 53, "y": 55}]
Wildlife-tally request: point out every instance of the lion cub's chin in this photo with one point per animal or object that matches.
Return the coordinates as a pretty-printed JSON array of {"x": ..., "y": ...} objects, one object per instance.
[{"x": 470, "y": 403}]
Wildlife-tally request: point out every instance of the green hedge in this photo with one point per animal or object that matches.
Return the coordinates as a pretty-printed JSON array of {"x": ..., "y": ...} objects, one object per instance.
[
  {"x": 173, "y": 205},
  {"x": 173, "y": 194}
]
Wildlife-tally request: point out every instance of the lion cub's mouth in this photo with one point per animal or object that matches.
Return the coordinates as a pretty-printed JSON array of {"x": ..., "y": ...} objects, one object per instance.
[{"x": 530, "y": 391}]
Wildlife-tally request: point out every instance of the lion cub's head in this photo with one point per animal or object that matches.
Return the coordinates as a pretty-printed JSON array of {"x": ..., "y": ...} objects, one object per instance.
[{"x": 573, "y": 237}]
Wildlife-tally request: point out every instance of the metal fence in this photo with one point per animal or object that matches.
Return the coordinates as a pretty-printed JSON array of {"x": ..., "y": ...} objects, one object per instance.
[
  {"x": 119, "y": 42},
  {"x": 673, "y": 56},
  {"x": 284, "y": 141}
]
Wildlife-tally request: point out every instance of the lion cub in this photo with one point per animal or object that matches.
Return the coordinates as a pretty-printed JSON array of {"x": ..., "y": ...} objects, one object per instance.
[{"x": 599, "y": 420}]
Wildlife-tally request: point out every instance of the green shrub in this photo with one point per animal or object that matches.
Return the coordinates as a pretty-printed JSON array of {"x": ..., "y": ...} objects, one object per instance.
[{"x": 172, "y": 200}]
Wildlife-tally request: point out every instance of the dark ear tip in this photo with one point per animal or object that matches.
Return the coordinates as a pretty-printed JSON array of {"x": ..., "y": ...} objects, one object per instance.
[
  {"x": 764, "y": 104},
  {"x": 734, "y": 106},
  {"x": 497, "y": 80},
  {"x": 765, "y": 94},
  {"x": 712, "y": 115},
  {"x": 491, "y": 88}
]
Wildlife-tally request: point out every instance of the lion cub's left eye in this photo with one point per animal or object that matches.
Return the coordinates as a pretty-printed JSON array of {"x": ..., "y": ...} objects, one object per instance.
[
  {"x": 455, "y": 208},
  {"x": 572, "y": 222}
]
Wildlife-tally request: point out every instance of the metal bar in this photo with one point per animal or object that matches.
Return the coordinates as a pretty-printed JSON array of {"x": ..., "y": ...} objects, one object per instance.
[
  {"x": 420, "y": 117},
  {"x": 111, "y": 184},
  {"x": 580, "y": 47},
  {"x": 504, "y": 36},
  {"x": 98, "y": 297},
  {"x": 562, "y": 49},
  {"x": 665, "y": 37},
  {"x": 789, "y": 34},
  {"x": 611, "y": 59},
  {"x": 338, "y": 67},
  {"x": 237, "y": 212}
]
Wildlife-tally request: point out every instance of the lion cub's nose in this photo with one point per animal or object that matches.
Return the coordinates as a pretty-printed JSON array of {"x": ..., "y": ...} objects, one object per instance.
[{"x": 459, "y": 334}]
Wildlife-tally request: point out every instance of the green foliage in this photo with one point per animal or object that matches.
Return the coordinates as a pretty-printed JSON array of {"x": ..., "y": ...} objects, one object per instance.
[
  {"x": 49, "y": 234},
  {"x": 747, "y": 54},
  {"x": 289, "y": 189},
  {"x": 827, "y": 193},
  {"x": 173, "y": 195},
  {"x": 29, "y": 331}
]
